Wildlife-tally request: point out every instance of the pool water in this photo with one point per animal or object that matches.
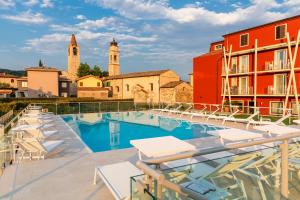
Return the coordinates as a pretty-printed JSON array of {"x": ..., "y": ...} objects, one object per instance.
[{"x": 108, "y": 131}]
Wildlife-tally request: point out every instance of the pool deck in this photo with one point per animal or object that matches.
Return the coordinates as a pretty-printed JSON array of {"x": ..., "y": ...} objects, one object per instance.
[{"x": 68, "y": 172}]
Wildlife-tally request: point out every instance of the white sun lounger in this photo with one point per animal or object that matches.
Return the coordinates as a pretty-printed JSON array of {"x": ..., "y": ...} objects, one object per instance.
[
  {"x": 278, "y": 122},
  {"x": 35, "y": 148},
  {"x": 241, "y": 120},
  {"x": 276, "y": 129},
  {"x": 117, "y": 178},
  {"x": 221, "y": 117},
  {"x": 235, "y": 135}
]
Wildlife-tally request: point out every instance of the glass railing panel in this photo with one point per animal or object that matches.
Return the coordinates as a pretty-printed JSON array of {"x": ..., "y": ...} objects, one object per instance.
[
  {"x": 112, "y": 106},
  {"x": 50, "y": 107},
  {"x": 252, "y": 175},
  {"x": 90, "y": 107},
  {"x": 68, "y": 108},
  {"x": 294, "y": 171},
  {"x": 5, "y": 153},
  {"x": 139, "y": 190},
  {"x": 126, "y": 106}
]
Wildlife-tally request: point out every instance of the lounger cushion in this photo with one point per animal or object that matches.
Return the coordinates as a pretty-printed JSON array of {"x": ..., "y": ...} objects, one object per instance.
[
  {"x": 117, "y": 177},
  {"x": 49, "y": 133}
]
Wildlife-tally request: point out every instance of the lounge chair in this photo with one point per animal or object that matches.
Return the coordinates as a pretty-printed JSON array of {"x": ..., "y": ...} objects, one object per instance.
[
  {"x": 241, "y": 120},
  {"x": 278, "y": 122},
  {"x": 200, "y": 113},
  {"x": 160, "y": 109},
  {"x": 34, "y": 148},
  {"x": 40, "y": 121},
  {"x": 235, "y": 135},
  {"x": 117, "y": 178},
  {"x": 186, "y": 111},
  {"x": 221, "y": 117},
  {"x": 175, "y": 110}
]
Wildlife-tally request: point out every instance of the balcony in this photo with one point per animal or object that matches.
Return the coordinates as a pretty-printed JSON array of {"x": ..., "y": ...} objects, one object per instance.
[
  {"x": 282, "y": 65},
  {"x": 271, "y": 90},
  {"x": 235, "y": 90}
]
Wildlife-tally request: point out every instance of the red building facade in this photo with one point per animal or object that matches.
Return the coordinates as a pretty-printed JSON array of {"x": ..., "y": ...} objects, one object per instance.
[{"x": 259, "y": 70}]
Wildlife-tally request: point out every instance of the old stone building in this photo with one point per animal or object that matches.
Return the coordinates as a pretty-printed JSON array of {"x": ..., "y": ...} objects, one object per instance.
[
  {"x": 140, "y": 86},
  {"x": 176, "y": 91},
  {"x": 114, "y": 59}
]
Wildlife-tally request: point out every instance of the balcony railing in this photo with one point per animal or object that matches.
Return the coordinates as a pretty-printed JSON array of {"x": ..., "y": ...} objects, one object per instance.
[
  {"x": 272, "y": 66},
  {"x": 276, "y": 91},
  {"x": 235, "y": 90}
]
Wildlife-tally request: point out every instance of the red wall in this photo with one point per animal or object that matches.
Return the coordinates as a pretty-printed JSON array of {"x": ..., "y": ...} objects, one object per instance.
[{"x": 207, "y": 71}]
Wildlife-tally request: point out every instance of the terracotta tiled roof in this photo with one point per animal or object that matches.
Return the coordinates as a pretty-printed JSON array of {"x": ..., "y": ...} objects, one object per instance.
[
  {"x": 50, "y": 69},
  {"x": 172, "y": 84},
  {"x": 63, "y": 78},
  {"x": 87, "y": 76},
  {"x": 73, "y": 40},
  {"x": 137, "y": 74},
  {"x": 4, "y": 75}
]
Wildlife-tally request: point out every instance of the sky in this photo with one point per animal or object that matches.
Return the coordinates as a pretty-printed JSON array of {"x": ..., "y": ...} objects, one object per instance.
[{"x": 152, "y": 34}]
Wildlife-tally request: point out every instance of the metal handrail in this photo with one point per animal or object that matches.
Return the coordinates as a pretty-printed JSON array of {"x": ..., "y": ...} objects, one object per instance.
[{"x": 145, "y": 165}]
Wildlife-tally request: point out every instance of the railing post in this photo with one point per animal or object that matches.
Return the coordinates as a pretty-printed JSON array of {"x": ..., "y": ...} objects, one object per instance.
[
  {"x": 56, "y": 108},
  {"x": 118, "y": 106},
  {"x": 284, "y": 169},
  {"x": 79, "y": 108},
  {"x": 99, "y": 105}
]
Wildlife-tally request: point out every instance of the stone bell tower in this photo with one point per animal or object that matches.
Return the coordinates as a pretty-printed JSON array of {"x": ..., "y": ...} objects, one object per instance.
[
  {"x": 114, "y": 59},
  {"x": 73, "y": 58}
]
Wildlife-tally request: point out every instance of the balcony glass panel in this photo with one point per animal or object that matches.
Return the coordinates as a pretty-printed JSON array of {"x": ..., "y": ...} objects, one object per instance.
[{"x": 254, "y": 174}]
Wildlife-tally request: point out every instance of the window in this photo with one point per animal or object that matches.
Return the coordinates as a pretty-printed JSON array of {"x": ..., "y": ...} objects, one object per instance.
[
  {"x": 279, "y": 83},
  {"x": 218, "y": 47},
  {"x": 75, "y": 51},
  {"x": 280, "y": 59},
  {"x": 294, "y": 108},
  {"x": 64, "y": 94},
  {"x": 12, "y": 80},
  {"x": 117, "y": 89},
  {"x": 64, "y": 85},
  {"x": 115, "y": 58},
  {"x": 24, "y": 84},
  {"x": 233, "y": 82},
  {"x": 183, "y": 88},
  {"x": 151, "y": 86},
  {"x": 243, "y": 64},
  {"x": 276, "y": 107},
  {"x": 234, "y": 65},
  {"x": 80, "y": 84},
  {"x": 127, "y": 87},
  {"x": 98, "y": 84},
  {"x": 280, "y": 32},
  {"x": 244, "y": 40},
  {"x": 108, "y": 84},
  {"x": 243, "y": 85}
]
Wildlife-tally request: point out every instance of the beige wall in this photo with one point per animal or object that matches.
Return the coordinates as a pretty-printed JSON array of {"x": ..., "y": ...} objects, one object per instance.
[
  {"x": 114, "y": 84},
  {"x": 42, "y": 82},
  {"x": 11, "y": 81},
  {"x": 168, "y": 77},
  {"x": 102, "y": 94},
  {"x": 144, "y": 82}
]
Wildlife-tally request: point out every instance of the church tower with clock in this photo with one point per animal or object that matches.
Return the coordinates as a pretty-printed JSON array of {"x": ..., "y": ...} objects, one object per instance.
[{"x": 73, "y": 58}]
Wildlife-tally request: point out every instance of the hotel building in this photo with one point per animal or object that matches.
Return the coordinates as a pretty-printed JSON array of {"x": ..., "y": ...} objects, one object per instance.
[{"x": 258, "y": 66}]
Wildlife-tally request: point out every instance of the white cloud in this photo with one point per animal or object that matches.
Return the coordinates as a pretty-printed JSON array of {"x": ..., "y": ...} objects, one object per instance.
[
  {"x": 259, "y": 9},
  {"x": 27, "y": 17},
  {"x": 80, "y": 17},
  {"x": 7, "y": 4},
  {"x": 47, "y": 4},
  {"x": 95, "y": 24},
  {"x": 30, "y": 2}
]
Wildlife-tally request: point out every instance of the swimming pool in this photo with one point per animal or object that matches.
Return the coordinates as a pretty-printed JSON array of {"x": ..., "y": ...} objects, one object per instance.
[{"x": 108, "y": 131}]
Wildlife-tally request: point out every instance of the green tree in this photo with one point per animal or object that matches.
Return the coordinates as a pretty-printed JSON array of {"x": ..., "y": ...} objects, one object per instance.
[
  {"x": 96, "y": 71},
  {"x": 83, "y": 70},
  {"x": 41, "y": 63}
]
